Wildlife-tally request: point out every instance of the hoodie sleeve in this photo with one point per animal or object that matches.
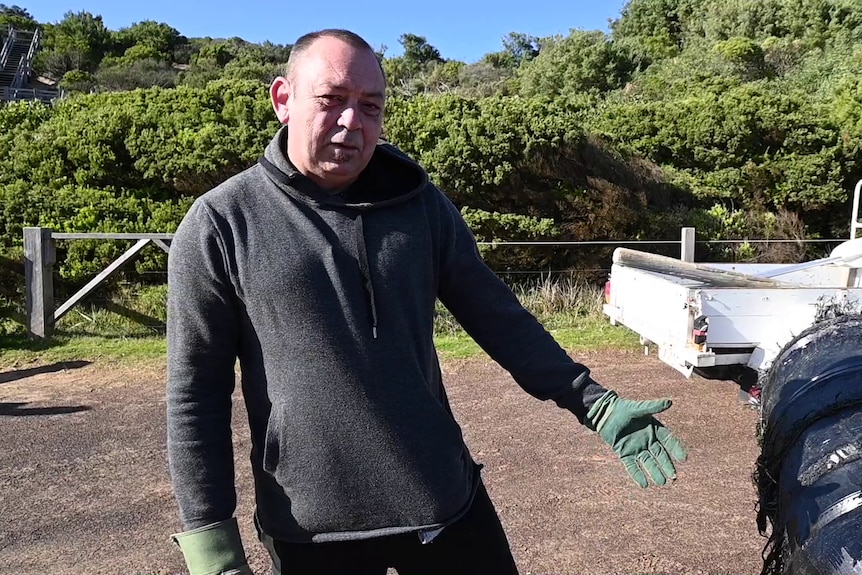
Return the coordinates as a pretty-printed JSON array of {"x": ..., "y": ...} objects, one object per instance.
[
  {"x": 490, "y": 312},
  {"x": 202, "y": 334}
]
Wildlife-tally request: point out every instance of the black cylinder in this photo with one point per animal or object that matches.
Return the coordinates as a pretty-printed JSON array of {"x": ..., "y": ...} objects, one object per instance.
[{"x": 809, "y": 473}]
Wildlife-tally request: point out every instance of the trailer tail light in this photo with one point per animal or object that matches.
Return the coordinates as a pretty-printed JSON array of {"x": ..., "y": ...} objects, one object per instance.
[
  {"x": 608, "y": 291},
  {"x": 699, "y": 329}
]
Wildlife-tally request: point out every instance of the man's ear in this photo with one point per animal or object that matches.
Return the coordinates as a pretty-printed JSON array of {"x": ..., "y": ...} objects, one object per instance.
[{"x": 279, "y": 94}]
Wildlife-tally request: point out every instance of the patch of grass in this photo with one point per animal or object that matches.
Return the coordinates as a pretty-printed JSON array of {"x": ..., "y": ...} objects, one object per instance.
[
  {"x": 128, "y": 326},
  {"x": 16, "y": 350},
  {"x": 570, "y": 311},
  {"x": 595, "y": 333},
  {"x": 457, "y": 345},
  {"x": 130, "y": 311},
  {"x": 582, "y": 334}
]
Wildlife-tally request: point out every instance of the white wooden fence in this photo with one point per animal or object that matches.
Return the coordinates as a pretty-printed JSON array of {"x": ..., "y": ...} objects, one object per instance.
[{"x": 39, "y": 259}]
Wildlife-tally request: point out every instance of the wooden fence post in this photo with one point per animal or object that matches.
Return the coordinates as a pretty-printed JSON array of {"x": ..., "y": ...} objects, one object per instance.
[
  {"x": 39, "y": 258},
  {"x": 687, "y": 243}
]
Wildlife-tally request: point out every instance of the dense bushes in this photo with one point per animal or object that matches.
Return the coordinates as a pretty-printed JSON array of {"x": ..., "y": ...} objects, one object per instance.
[
  {"x": 123, "y": 162},
  {"x": 133, "y": 162},
  {"x": 743, "y": 118}
]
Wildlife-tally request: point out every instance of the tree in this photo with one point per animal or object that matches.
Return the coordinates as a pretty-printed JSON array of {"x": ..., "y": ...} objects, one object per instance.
[
  {"x": 407, "y": 74},
  {"x": 581, "y": 64},
  {"x": 159, "y": 37},
  {"x": 521, "y": 47},
  {"x": 847, "y": 113},
  {"x": 16, "y": 17},
  {"x": 80, "y": 40},
  {"x": 757, "y": 20},
  {"x": 78, "y": 81},
  {"x": 144, "y": 52},
  {"x": 517, "y": 49},
  {"x": 417, "y": 51},
  {"x": 14, "y": 10},
  {"x": 653, "y": 29}
]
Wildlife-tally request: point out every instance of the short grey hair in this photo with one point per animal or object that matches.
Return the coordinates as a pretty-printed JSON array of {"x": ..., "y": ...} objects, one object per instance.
[{"x": 305, "y": 41}]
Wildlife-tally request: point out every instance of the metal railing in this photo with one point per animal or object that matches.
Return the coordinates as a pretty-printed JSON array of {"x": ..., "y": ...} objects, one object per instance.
[
  {"x": 7, "y": 46},
  {"x": 21, "y": 75},
  {"x": 23, "y": 72},
  {"x": 45, "y": 96}
]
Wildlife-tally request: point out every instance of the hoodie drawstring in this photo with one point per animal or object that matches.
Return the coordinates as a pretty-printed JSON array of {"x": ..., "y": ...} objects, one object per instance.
[{"x": 366, "y": 272}]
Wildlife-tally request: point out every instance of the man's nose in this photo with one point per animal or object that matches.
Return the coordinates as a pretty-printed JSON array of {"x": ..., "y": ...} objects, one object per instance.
[{"x": 349, "y": 119}]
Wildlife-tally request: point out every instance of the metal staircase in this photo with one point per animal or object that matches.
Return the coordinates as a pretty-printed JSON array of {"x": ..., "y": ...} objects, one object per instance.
[{"x": 16, "y": 65}]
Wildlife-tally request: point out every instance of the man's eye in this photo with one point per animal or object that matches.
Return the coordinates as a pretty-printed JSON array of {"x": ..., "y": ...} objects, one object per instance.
[
  {"x": 331, "y": 99},
  {"x": 371, "y": 108}
]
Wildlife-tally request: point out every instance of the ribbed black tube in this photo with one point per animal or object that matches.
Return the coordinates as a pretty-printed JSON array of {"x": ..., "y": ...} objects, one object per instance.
[{"x": 809, "y": 473}]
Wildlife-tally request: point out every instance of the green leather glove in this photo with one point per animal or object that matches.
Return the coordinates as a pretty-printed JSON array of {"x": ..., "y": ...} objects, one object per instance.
[
  {"x": 643, "y": 444},
  {"x": 214, "y": 549}
]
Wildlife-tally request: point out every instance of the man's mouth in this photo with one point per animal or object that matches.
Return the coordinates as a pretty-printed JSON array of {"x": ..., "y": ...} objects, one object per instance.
[{"x": 344, "y": 146}]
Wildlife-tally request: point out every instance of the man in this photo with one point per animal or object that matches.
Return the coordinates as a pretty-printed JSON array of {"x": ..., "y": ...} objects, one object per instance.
[{"x": 319, "y": 269}]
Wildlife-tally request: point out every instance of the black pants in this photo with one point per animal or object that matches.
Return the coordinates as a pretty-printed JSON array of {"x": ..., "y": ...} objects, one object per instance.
[{"x": 474, "y": 545}]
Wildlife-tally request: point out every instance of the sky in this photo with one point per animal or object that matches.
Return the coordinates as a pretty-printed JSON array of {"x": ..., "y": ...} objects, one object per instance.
[{"x": 462, "y": 30}]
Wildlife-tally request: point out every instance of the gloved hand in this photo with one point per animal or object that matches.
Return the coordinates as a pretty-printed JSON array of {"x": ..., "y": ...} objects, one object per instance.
[
  {"x": 214, "y": 549},
  {"x": 643, "y": 444}
]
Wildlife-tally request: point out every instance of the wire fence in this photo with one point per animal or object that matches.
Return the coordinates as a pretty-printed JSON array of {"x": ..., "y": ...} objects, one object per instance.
[
  {"x": 667, "y": 248},
  {"x": 124, "y": 296}
]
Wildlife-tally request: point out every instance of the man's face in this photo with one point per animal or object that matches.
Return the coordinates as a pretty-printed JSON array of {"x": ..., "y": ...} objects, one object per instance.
[{"x": 333, "y": 106}]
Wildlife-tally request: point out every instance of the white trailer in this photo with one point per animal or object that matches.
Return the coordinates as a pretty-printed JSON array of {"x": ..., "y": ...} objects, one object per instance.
[{"x": 706, "y": 316}]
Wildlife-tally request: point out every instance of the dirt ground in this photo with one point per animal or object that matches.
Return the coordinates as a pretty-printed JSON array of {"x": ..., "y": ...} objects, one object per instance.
[{"x": 84, "y": 487}]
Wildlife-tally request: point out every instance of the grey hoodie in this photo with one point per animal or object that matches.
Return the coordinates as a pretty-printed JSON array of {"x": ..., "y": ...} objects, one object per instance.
[{"x": 328, "y": 303}]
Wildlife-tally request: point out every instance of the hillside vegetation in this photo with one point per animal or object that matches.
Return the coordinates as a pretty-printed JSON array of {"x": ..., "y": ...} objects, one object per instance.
[{"x": 742, "y": 118}]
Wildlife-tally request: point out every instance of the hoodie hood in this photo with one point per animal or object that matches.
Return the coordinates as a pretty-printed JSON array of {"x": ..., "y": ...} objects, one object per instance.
[{"x": 390, "y": 178}]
